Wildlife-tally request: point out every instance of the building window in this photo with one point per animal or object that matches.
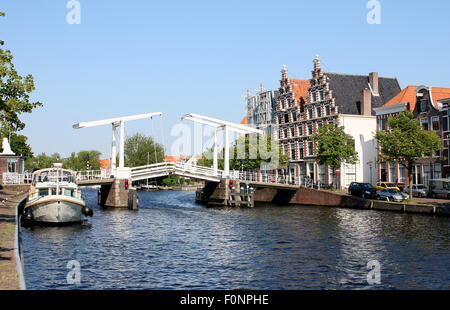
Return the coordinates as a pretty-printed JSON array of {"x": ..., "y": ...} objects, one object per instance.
[
  {"x": 319, "y": 125},
  {"x": 286, "y": 118},
  {"x": 426, "y": 174},
  {"x": 310, "y": 114},
  {"x": 327, "y": 110},
  {"x": 435, "y": 122},
  {"x": 294, "y": 117},
  {"x": 279, "y": 119},
  {"x": 292, "y": 131},
  {"x": 402, "y": 174},
  {"x": 280, "y": 134},
  {"x": 423, "y": 106},
  {"x": 310, "y": 148},
  {"x": 313, "y": 97},
  {"x": 310, "y": 129},
  {"x": 383, "y": 123},
  {"x": 300, "y": 150},
  {"x": 321, "y": 95},
  {"x": 322, "y": 174},
  {"x": 300, "y": 131},
  {"x": 437, "y": 171},
  {"x": 293, "y": 152},
  {"x": 285, "y": 150},
  {"x": 392, "y": 173},
  {"x": 286, "y": 134},
  {"x": 445, "y": 123},
  {"x": 12, "y": 165},
  {"x": 319, "y": 112},
  {"x": 424, "y": 122}
]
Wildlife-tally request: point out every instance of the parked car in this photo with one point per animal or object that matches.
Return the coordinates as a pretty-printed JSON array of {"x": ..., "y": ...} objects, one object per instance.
[
  {"x": 364, "y": 190},
  {"x": 384, "y": 185},
  {"x": 439, "y": 188},
  {"x": 401, "y": 186},
  {"x": 418, "y": 190},
  {"x": 390, "y": 194}
]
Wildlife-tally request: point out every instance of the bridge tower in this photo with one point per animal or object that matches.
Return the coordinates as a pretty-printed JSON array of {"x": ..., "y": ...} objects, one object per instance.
[{"x": 117, "y": 193}]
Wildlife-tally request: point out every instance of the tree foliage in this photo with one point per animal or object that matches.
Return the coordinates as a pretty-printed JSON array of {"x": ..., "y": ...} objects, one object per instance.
[
  {"x": 141, "y": 149},
  {"x": 42, "y": 161},
  {"x": 15, "y": 100},
  {"x": 406, "y": 142},
  {"x": 83, "y": 160},
  {"x": 335, "y": 146},
  {"x": 249, "y": 154}
]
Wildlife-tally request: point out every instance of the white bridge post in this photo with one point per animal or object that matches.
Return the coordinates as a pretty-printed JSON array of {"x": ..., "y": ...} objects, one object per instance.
[
  {"x": 122, "y": 145},
  {"x": 215, "y": 155},
  {"x": 113, "y": 150},
  {"x": 227, "y": 152}
]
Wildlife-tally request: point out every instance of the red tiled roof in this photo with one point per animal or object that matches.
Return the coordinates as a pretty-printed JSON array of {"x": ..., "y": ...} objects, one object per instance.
[
  {"x": 440, "y": 93},
  {"x": 300, "y": 88},
  {"x": 408, "y": 95},
  {"x": 105, "y": 163},
  {"x": 244, "y": 121},
  {"x": 172, "y": 159}
]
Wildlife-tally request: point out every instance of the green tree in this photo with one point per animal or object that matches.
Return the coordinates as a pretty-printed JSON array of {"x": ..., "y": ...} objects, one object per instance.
[
  {"x": 334, "y": 147},
  {"x": 42, "y": 161},
  {"x": 249, "y": 154},
  {"x": 83, "y": 160},
  {"x": 15, "y": 100},
  {"x": 19, "y": 145},
  {"x": 406, "y": 142},
  {"x": 141, "y": 149}
]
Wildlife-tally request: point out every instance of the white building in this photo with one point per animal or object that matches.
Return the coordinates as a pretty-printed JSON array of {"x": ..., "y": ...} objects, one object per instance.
[{"x": 362, "y": 128}]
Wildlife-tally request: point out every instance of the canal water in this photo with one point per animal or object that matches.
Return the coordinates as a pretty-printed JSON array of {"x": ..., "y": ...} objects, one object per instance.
[{"x": 173, "y": 243}]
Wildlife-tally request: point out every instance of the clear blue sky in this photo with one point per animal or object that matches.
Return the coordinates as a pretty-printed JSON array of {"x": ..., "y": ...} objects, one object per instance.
[{"x": 130, "y": 57}]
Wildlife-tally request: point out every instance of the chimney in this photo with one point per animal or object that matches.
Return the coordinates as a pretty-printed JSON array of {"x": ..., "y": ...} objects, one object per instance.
[
  {"x": 373, "y": 80},
  {"x": 366, "y": 102}
]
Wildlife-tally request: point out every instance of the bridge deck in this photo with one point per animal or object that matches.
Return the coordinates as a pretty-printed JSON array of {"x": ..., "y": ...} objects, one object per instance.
[
  {"x": 95, "y": 182},
  {"x": 272, "y": 185}
]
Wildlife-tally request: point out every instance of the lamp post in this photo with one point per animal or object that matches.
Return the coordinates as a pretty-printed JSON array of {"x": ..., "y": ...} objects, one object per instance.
[{"x": 370, "y": 163}]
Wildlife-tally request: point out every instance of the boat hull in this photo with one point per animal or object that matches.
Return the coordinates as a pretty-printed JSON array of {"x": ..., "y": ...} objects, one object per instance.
[{"x": 56, "y": 211}]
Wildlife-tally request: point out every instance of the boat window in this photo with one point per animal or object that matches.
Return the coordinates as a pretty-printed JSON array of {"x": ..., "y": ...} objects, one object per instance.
[
  {"x": 68, "y": 192},
  {"x": 43, "y": 192},
  {"x": 53, "y": 191}
]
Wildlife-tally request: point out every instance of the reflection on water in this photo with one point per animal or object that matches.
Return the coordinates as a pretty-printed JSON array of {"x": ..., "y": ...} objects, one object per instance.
[{"x": 173, "y": 243}]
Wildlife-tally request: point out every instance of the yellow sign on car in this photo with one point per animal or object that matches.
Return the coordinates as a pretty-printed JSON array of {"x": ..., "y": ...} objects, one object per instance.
[{"x": 383, "y": 185}]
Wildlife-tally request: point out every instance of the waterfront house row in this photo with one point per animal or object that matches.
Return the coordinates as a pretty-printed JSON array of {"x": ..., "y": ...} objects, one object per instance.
[
  {"x": 303, "y": 106},
  {"x": 430, "y": 105}
]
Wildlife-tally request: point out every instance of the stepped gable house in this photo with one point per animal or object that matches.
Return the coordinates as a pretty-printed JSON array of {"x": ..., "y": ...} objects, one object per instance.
[{"x": 340, "y": 99}]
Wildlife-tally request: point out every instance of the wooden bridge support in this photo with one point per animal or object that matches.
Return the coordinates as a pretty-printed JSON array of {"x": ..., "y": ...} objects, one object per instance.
[
  {"x": 225, "y": 193},
  {"x": 118, "y": 195}
]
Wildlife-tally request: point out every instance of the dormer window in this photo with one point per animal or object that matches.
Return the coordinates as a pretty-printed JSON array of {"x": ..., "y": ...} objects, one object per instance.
[{"x": 423, "y": 106}]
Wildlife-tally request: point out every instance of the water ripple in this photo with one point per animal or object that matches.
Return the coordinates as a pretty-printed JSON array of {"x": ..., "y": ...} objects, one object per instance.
[{"x": 173, "y": 243}]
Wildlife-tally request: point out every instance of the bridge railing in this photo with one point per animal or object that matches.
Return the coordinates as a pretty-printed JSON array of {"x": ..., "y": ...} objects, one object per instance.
[
  {"x": 272, "y": 178},
  {"x": 17, "y": 178},
  {"x": 93, "y": 175},
  {"x": 198, "y": 170}
]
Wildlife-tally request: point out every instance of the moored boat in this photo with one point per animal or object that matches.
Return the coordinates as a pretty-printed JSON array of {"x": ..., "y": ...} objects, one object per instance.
[{"x": 55, "y": 198}]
